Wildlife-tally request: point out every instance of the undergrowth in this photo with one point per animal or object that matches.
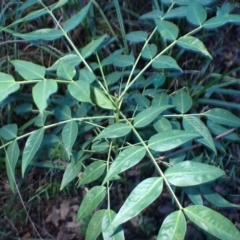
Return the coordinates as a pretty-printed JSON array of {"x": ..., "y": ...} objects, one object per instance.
[{"x": 98, "y": 90}]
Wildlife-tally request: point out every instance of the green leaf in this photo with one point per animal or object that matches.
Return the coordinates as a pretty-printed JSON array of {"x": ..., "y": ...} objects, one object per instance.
[
  {"x": 59, "y": 4},
  {"x": 125, "y": 160},
  {"x": 217, "y": 129},
  {"x": 123, "y": 61},
  {"x": 42, "y": 91},
  {"x": 182, "y": 100},
  {"x": 77, "y": 18},
  {"x": 32, "y": 145},
  {"x": 146, "y": 116},
  {"x": 9, "y": 131},
  {"x": 194, "y": 124},
  {"x": 194, "y": 195},
  {"x": 12, "y": 156},
  {"x": 7, "y": 85},
  {"x": 47, "y": 34},
  {"x": 69, "y": 135},
  {"x": 101, "y": 99},
  {"x": 69, "y": 59},
  {"x": 215, "y": 22},
  {"x": 141, "y": 100},
  {"x": 87, "y": 76},
  {"x": 90, "y": 201},
  {"x": 80, "y": 90},
  {"x": 168, "y": 30},
  {"x": 92, "y": 46},
  {"x": 137, "y": 36},
  {"x": 162, "y": 125},
  {"x": 29, "y": 70},
  {"x": 212, "y": 222},
  {"x": 168, "y": 140},
  {"x": 149, "y": 51},
  {"x": 113, "y": 77},
  {"x": 141, "y": 197},
  {"x": 100, "y": 146},
  {"x": 114, "y": 131},
  {"x": 189, "y": 173},
  {"x": 165, "y": 62},
  {"x": 109, "y": 232},
  {"x": 157, "y": 79},
  {"x": 63, "y": 112},
  {"x": 95, "y": 225},
  {"x": 152, "y": 15},
  {"x": 215, "y": 198},
  {"x": 194, "y": 44},
  {"x": 222, "y": 116},
  {"x": 196, "y": 14},
  {"x": 65, "y": 70},
  {"x": 70, "y": 173},
  {"x": 34, "y": 14},
  {"x": 177, "y": 12},
  {"x": 109, "y": 60},
  {"x": 160, "y": 99},
  {"x": 23, "y": 108},
  {"x": 173, "y": 227},
  {"x": 92, "y": 172}
]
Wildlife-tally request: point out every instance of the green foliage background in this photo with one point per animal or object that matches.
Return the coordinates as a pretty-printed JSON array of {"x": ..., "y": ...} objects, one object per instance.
[{"x": 115, "y": 101}]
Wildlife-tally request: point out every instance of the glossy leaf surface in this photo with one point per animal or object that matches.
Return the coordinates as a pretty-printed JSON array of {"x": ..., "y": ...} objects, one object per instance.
[
  {"x": 196, "y": 14},
  {"x": 47, "y": 34},
  {"x": 80, "y": 90},
  {"x": 123, "y": 61},
  {"x": 7, "y": 85},
  {"x": 70, "y": 173},
  {"x": 92, "y": 172},
  {"x": 222, "y": 116},
  {"x": 168, "y": 30},
  {"x": 141, "y": 196},
  {"x": 12, "y": 156},
  {"x": 168, "y": 140},
  {"x": 194, "y": 44},
  {"x": 90, "y": 201},
  {"x": 145, "y": 117},
  {"x": 165, "y": 62},
  {"x": 182, "y": 100},
  {"x": 189, "y": 173},
  {"x": 42, "y": 91},
  {"x": 95, "y": 225},
  {"x": 125, "y": 160},
  {"x": 29, "y": 70},
  {"x": 109, "y": 232},
  {"x": 9, "y": 131},
  {"x": 69, "y": 135},
  {"x": 137, "y": 36},
  {"x": 194, "y": 124},
  {"x": 173, "y": 227},
  {"x": 77, "y": 19},
  {"x": 32, "y": 145},
  {"x": 212, "y": 222},
  {"x": 215, "y": 198},
  {"x": 113, "y": 131},
  {"x": 99, "y": 98}
]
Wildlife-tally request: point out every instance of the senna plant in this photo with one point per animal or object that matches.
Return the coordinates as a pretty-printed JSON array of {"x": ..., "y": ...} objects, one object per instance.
[{"x": 103, "y": 115}]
